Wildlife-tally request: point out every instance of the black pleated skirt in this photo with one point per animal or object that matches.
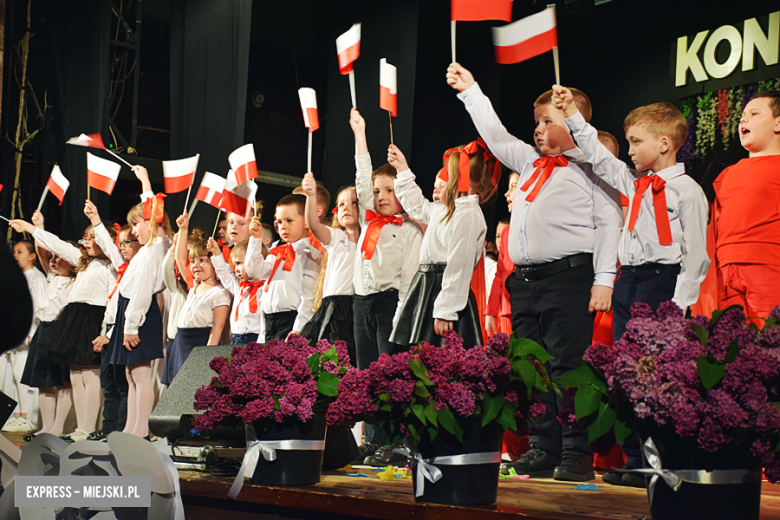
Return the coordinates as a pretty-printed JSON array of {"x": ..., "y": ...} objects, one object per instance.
[
  {"x": 150, "y": 333},
  {"x": 415, "y": 321},
  {"x": 39, "y": 371},
  {"x": 73, "y": 332},
  {"x": 333, "y": 321}
]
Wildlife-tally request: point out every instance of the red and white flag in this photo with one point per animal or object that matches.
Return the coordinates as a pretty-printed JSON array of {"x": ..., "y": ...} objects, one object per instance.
[
  {"x": 348, "y": 48},
  {"x": 57, "y": 184},
  {"x": 388, "y": 93},
  {"x": 101, "y": 173},
  {"x": 526, "y": 38},
  {"x": 475, "y": 10},
  {"x": 309, "y": 106},
  {"x": 210, "y": 190},
  {"x": 242, "y": 160},
  {"x": 179, "y": 174},
  {"x": 90, "y": 141},
  {"x": 237, "y": 197}
]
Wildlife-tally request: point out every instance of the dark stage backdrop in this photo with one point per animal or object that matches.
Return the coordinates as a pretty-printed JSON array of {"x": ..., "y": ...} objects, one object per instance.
[
  {"x": 78, "y": 85},
  {"x": 209, "y": 62}
]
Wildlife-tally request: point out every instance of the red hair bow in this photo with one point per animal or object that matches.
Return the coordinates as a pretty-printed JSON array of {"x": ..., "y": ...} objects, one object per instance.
[
  {"x": 463, "y": 163},
  {"x": 159, "y": 212}
]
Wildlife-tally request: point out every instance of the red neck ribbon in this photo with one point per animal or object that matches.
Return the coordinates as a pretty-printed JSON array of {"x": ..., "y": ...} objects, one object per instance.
[
  {"x": 375, "y": 224},
  {"x": 284, "y": 253},
  {"x": 120, "y": 273},
  {"x": 659, "y": 205},
  {"x": 544, "y": 169},
  {"x": 253, "y": 287}
]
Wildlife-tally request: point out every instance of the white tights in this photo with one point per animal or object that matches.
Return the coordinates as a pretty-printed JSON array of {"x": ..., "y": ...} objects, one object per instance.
[
  {"x": 56, "y": 403},
  {"x": 86, "y": 396},
  {"x": 140, "y": 398}
]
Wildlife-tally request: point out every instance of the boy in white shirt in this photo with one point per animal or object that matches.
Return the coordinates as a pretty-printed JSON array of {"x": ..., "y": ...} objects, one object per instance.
[
  {"x": 388, "y": 257},
  {"x": 563, "y": 237},
  {"x": 290, "y": 271}
]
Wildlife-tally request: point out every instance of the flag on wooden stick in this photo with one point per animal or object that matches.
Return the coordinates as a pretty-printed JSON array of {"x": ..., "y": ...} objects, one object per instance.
[
  {"x": 237, "y": 197},
  {"x": 90, "y": 141},
  {"x": 348, "y": 48},
  {"x": 210, "y": 190},
  {"x": 526, "y": 38},
  {"x": 388, "y": 91},
  {"x": 179, "y": 174},
  {"x": 57, "y": 184}
]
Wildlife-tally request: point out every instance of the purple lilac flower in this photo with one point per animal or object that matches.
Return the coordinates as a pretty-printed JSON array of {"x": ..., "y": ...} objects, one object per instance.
[{"x": 499, "y": 343}]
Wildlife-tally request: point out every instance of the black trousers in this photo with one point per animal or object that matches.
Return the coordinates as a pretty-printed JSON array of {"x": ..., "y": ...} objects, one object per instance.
[
  {"x": 652, "y": 284},
  {"x": 373, "y": 315},
  {"x": 554, "y": 313},
  {"x": 278, "y": 325},
  {"x": 113, "y": 380}
]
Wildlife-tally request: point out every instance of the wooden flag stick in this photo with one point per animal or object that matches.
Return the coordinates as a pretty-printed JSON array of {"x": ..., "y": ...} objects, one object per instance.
[
  {"x": 308, "y": 161},
  {"x": 557, "y": 67},
  {"x": 4, "y": 218},
  {"x": 352, "y": 88},
  {"x": 192, "y": 207},
  {"x": 88, "y": 191},
  {"x": 187, "y": 200},
  {"x": 43, "y": 197},
  {"x": 389, "y": 115},
  {"x": 452, "y": 39},
  {"x": 115, "y": 155},
  {"x": 219, "y": 213}
]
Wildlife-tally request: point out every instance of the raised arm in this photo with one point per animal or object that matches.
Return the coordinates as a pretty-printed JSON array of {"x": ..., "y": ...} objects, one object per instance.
[
  {"x": 224, "y": 273},
  {"x": 48, "y": 241},
  {"x": 320, "y": 231},
  {"x": 169, "y": 274},
  {"x": 408, "y": 192},
  {"x": 507, "y": 148},
  {"x": 43, "y": 255},
  {"x": 363, "y": 183},
  {"x": 182, "y": 260},
  {"x": 102, "y": 237}
]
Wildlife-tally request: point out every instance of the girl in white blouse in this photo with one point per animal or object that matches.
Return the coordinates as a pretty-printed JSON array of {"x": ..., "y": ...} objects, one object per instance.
[
  {"x": 202, "y": 319},
  {"x": 440, "y": 299},
  {"x": 333, "y": 320},
  {"x": 52, "y": 380},
  {"x": 137, "y": 337},
  {"x": 80, "y": 321}
]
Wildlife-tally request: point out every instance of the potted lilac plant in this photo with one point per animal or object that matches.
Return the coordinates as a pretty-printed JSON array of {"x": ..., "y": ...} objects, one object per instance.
[
  {"x": 450, "y": 406},
  {"x": 704, "y": 395},
  {"x": 279, "y": 391}
]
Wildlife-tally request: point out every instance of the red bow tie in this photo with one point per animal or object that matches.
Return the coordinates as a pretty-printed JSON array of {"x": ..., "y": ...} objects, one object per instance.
[
  {"x": 375, "y": 224},
  {"x": 659, "y": 205},
  {"x": 316, "y": 244},
  {"x": 284, "y": 253},
  {"x": 120, "y": 273},
  {"x": 544, "y": 169},
  {"x": 253, "y": 287}
]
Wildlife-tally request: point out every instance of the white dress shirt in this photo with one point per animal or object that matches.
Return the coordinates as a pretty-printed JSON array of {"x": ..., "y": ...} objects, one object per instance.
[
  {"x": 142, "y": 280},
  {"x": 36, "y": 282},
  {"x": 56, "y": 297},
  {"x": 92, "y": 285},
  {"x": 103, "y": 240},
  {"x": 247, "y": 322},
  {"x": 491, "y": 266},
  {"x": 341, "y": 265},
  {"x": 198, "y": 310},
  {"x": 457, "y": 243},
  {"x": 574, "y": 212},
  {"x": 397, "y": 254},
  {"x": 686, "y": 206},
  {"x": 287, "y": 290}
]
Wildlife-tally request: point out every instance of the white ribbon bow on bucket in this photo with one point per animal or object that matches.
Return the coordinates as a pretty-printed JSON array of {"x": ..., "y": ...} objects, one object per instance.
[
  {"x": 675, "y": 477},
  {"x": 426, "y": 469},
  {"x": 268, "y": 448}
]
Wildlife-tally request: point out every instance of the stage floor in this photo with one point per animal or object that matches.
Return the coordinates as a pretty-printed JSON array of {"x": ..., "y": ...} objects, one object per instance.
[{"x": 339, "y": 496}]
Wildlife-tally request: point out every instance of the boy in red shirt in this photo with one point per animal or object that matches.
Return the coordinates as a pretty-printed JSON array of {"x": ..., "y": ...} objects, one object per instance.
[{"x": 746, "y": 214}]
